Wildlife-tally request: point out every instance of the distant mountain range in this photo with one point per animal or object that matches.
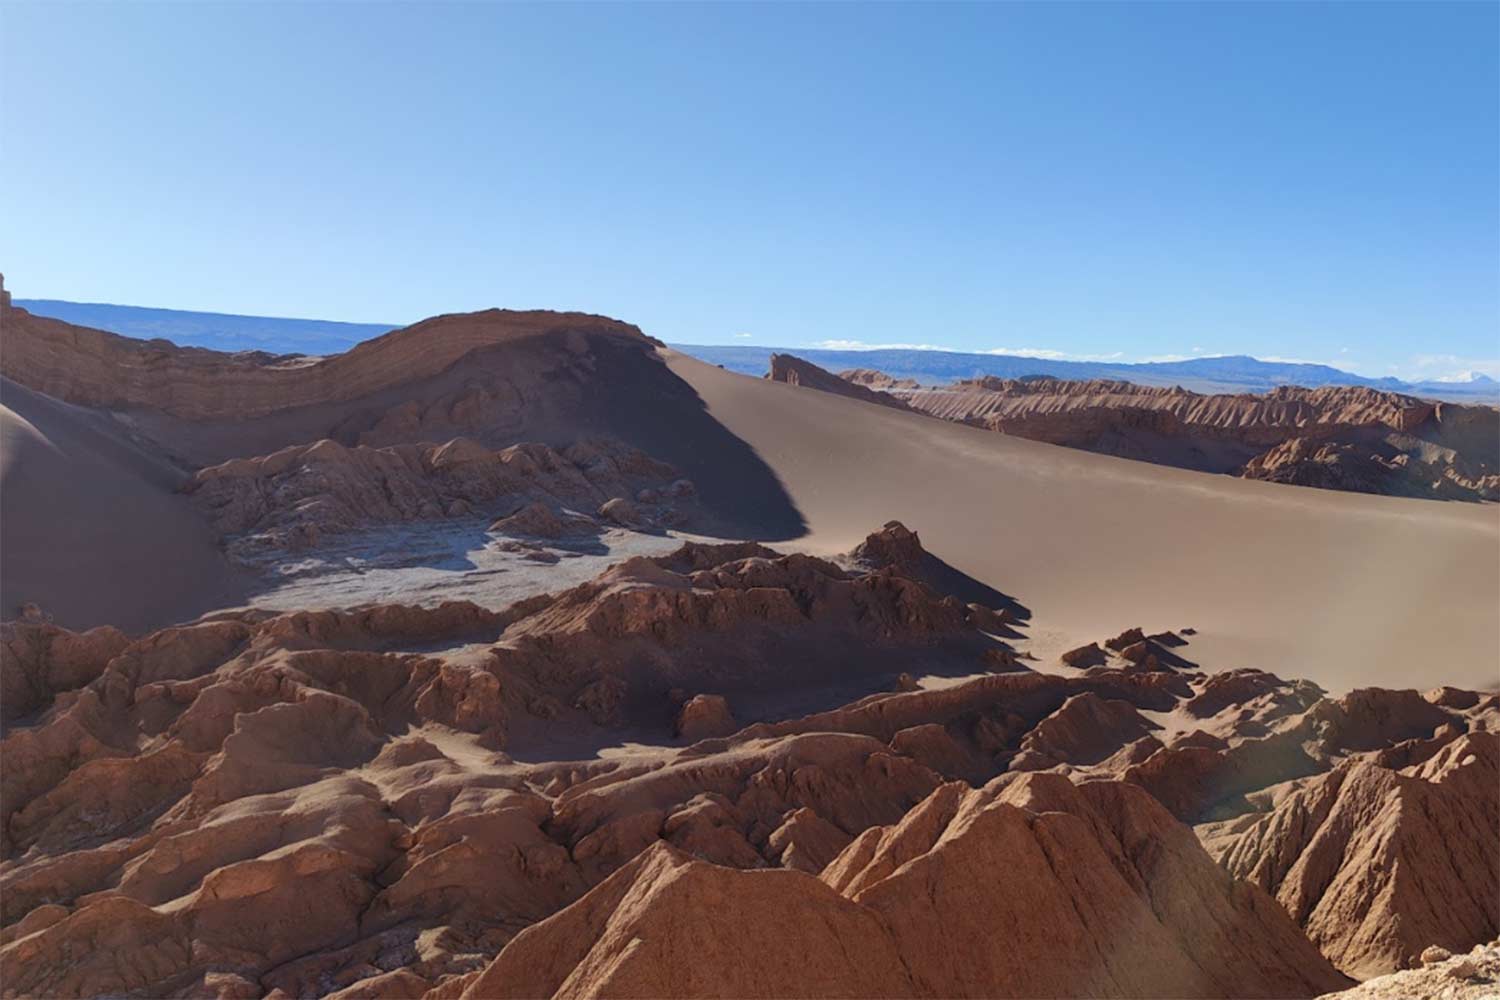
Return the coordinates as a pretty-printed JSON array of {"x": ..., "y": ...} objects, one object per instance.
[
  {"x": 1234, "y": 373},
  {"x": 1229, "y": 373},
  {"x": 218, "y": 331}
]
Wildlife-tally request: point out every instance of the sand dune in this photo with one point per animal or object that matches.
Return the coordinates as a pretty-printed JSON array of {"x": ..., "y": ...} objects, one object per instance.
[
  {"x": 1348, "y": 590},
  {"x": 90, "y": 526}
]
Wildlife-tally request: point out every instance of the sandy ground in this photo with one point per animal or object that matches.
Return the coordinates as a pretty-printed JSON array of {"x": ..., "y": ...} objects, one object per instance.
[
  {"x": 90, "y": 526},
  {"x": 1345, "y": 589}
]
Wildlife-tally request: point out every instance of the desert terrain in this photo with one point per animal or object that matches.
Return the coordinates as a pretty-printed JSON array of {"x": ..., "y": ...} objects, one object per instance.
[
  {"x": 1351, "y": 438},
  {"x": 514, "y": 654}
]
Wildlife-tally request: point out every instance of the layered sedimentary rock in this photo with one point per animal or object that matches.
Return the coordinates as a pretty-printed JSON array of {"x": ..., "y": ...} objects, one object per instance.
[
  {"x": 794, "y": 371},
  {"x": 1337, "y": 437},
  {"x": 296, "y": 496}
]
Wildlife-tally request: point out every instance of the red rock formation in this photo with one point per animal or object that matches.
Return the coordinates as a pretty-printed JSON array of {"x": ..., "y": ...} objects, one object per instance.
[
  {"x": 1085, "y": 656},
  {"x": 1336, "y": 437},
  {"x": 40, "y": 660},
  {"x": 1378, "y": 863},
  {"x": 973, "y": 893},
  {"x": 872, "y": 379},
  {"x": 704, "y": 716},
  {"x": 326, "y": 802}
]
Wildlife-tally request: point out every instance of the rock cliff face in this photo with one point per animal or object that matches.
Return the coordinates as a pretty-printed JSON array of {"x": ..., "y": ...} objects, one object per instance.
[
  {"x": 713, "y": 752},
  {"x": 1345, "y": 438}
]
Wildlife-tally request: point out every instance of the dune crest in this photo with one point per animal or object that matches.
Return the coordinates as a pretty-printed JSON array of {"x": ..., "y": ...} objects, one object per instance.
[{"x": 94, "y": 368}]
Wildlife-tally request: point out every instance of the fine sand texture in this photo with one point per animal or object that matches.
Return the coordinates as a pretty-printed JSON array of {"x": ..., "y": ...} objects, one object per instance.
[
  {"x": 91, "y": 528},
  {"x": 1347, "y": 590}
]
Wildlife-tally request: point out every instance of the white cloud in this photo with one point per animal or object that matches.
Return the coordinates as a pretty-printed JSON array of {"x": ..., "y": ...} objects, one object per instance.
[
  {"x": 1450, "y": 368},
  {"x": 860, "y": 345},
  {"x": 743, "y": 336},
  {"x": 1276, "y": 359},
  {"x": 1045, "y": 354},
  {"x": 1051, "y": 355}
]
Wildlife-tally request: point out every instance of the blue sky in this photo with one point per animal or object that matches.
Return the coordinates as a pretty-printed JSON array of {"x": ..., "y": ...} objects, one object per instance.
[{"x": 1319, "y": 182}]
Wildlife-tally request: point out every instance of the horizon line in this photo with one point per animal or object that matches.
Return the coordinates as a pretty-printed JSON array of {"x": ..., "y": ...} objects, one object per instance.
[{"x": 835, "y": 346}]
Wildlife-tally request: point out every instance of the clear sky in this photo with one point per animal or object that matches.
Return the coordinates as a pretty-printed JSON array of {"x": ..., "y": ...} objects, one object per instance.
[{"x": 1307, "y": 181}]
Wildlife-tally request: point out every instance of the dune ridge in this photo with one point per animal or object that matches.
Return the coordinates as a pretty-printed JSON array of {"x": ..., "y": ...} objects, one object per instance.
[{"x": 94, "y": 368}]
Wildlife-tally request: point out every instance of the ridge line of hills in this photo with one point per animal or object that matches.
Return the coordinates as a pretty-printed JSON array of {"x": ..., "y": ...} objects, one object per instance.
[{"x": 1228, "y": 373}]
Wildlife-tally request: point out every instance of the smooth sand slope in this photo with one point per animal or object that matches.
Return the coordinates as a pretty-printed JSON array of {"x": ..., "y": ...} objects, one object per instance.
[
  {"x": 1348, "y": 590},
  {"x": 90, "y": 526}
]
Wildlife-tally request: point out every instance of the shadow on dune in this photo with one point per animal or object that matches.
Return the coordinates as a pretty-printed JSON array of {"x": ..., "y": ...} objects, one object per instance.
[
  {"x": 612, "y": 388},
  {"x": 946, "y": 579},
  {"x": 638, "y": 399}
]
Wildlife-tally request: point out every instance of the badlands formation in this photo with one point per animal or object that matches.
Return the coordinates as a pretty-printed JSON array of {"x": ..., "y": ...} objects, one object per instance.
[
  {"x": 1337, "y": 437},
  {"x": 694, "y": 728}
]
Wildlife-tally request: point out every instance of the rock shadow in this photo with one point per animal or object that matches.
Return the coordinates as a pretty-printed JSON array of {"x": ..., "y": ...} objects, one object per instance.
[{"x": 948, "y": 579}]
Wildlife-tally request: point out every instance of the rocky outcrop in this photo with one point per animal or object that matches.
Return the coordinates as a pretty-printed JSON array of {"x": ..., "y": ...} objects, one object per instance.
[
  {"x": 895, "y": 547},
  {"x": 377, "y": 801},
  {"x": 297, "y": 496},
  {"x": 944, "y": 903},
  {"x": 880, "y": 381},
  {"x": 740, "y": 621},
  {"x": 1378, "y": 863},
  {"x": 1337, "y": 437},
  {"x": 38, "y": 660},
  {"x": 794, "y": 371},
  {"x": 1473, "y": 975},
  {"x": 538, "y": 520},
  {"x": 705, "y": 716}
]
